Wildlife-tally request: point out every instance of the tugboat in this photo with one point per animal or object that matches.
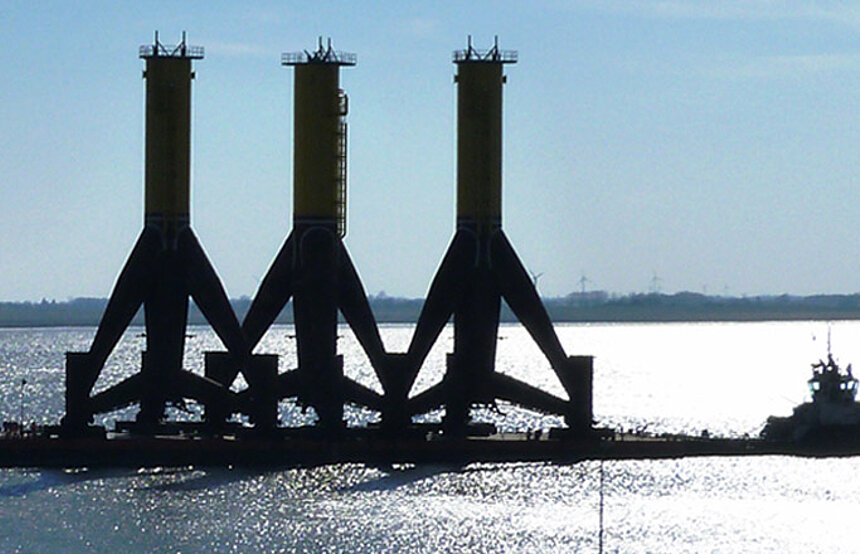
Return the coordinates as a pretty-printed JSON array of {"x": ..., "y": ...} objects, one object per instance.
[{"x": 833, "y": 416}]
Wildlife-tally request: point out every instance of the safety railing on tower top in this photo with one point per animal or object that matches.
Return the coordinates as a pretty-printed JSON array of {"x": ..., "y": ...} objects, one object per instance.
[
  {"x": 491, "y": 55},
  {"x": 179, "y": 51},
  {"x": 327, "y": 56}
]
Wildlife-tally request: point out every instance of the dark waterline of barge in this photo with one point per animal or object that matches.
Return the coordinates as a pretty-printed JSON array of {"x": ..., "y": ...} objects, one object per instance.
[{"x": 129, "y": 451}]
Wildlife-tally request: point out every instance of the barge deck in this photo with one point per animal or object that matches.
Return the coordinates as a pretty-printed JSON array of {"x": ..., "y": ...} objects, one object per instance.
[{"x": 124, "y": 450}]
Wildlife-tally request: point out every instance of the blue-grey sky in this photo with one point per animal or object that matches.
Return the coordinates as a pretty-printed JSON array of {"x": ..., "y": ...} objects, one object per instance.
[{"x": 712, "y": 144}]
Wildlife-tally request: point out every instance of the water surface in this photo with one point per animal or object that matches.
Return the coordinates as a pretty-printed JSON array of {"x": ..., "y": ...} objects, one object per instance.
[{"x": 726, "y": 378}]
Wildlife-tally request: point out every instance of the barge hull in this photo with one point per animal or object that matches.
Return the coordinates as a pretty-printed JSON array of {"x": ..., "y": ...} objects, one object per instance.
[{"x": 138, "y": 452}]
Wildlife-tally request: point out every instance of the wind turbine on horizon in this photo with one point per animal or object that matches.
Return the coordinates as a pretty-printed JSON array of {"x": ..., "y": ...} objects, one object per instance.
[
  {"x": 583, "y": 280},
  {"x": 654, "y": 288}
]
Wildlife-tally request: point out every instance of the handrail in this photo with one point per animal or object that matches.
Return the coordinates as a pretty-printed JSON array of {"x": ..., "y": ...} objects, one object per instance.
[
  {"x": 179, "y": 51},
  {"x": 490, "y": 55},
  {"x": 327, "y": 56}
]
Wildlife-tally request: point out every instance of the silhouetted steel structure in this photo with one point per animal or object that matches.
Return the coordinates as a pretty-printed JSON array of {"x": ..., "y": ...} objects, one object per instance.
[
  {"x": 166, "y": 265},
  {"x": 313, "y": 266},
  {"x": 480, "y": 268}
]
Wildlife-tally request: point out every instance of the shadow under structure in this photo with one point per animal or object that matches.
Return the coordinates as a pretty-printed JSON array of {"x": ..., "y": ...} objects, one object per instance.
[
  {"x": 313, "y": 266},
  {"x": 166, "y": 266},
  {"x": 480, "y": 268}
]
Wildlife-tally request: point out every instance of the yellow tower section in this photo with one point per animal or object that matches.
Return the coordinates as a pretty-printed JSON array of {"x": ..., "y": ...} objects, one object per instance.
[
  {"x": 479, "y": 136},
  {"x": 319, "y": 137},
  {"x": 167, "y": 172}
]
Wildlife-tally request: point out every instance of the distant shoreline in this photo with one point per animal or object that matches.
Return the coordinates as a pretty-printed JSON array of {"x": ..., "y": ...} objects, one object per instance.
[{"x": 591, "y": 307}]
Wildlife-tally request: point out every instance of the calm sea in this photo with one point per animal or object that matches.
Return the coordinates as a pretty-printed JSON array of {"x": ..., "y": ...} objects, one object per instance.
[{"x": 726, "y": 378}]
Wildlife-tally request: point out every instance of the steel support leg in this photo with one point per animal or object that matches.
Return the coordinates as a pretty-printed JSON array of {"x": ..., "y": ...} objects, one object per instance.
[
  {"x": 577, "y": 379},
  {"x": 79, "y": 375},
  {"x": 274, "y": 293},
  {"x": 222, "y": 368}
]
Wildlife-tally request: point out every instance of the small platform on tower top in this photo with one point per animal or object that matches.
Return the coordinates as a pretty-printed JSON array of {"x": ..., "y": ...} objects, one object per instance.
[
  {"x": 493, "y": 55},
  {"x": 181, "y": 50},
  {"x": 322, "y": 55}
]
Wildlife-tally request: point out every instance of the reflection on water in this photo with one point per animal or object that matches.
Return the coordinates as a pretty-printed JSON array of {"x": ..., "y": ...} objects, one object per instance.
[
  {"x": 712, "y": 504},
  {"x": 724, "y": 377}
]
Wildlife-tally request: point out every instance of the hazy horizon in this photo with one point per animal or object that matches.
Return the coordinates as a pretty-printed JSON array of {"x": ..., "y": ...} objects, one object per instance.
[
  {"x": 713, "y": 145},
  {"x": 602, "y": 295}
]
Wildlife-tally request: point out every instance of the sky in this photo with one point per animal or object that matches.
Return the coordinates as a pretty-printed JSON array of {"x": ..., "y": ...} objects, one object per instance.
[{"x": 688, "y": 145}]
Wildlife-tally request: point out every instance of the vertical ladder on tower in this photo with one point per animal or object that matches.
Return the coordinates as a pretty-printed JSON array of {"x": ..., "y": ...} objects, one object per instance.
[{"x": 341, "y": 165}]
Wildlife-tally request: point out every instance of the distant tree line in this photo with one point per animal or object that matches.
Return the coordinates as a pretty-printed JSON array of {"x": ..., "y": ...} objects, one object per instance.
[{"x": 594, "y": 306}]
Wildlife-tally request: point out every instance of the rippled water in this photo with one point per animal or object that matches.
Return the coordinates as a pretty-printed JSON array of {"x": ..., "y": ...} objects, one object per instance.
[{"x": 669, "y": 377}]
